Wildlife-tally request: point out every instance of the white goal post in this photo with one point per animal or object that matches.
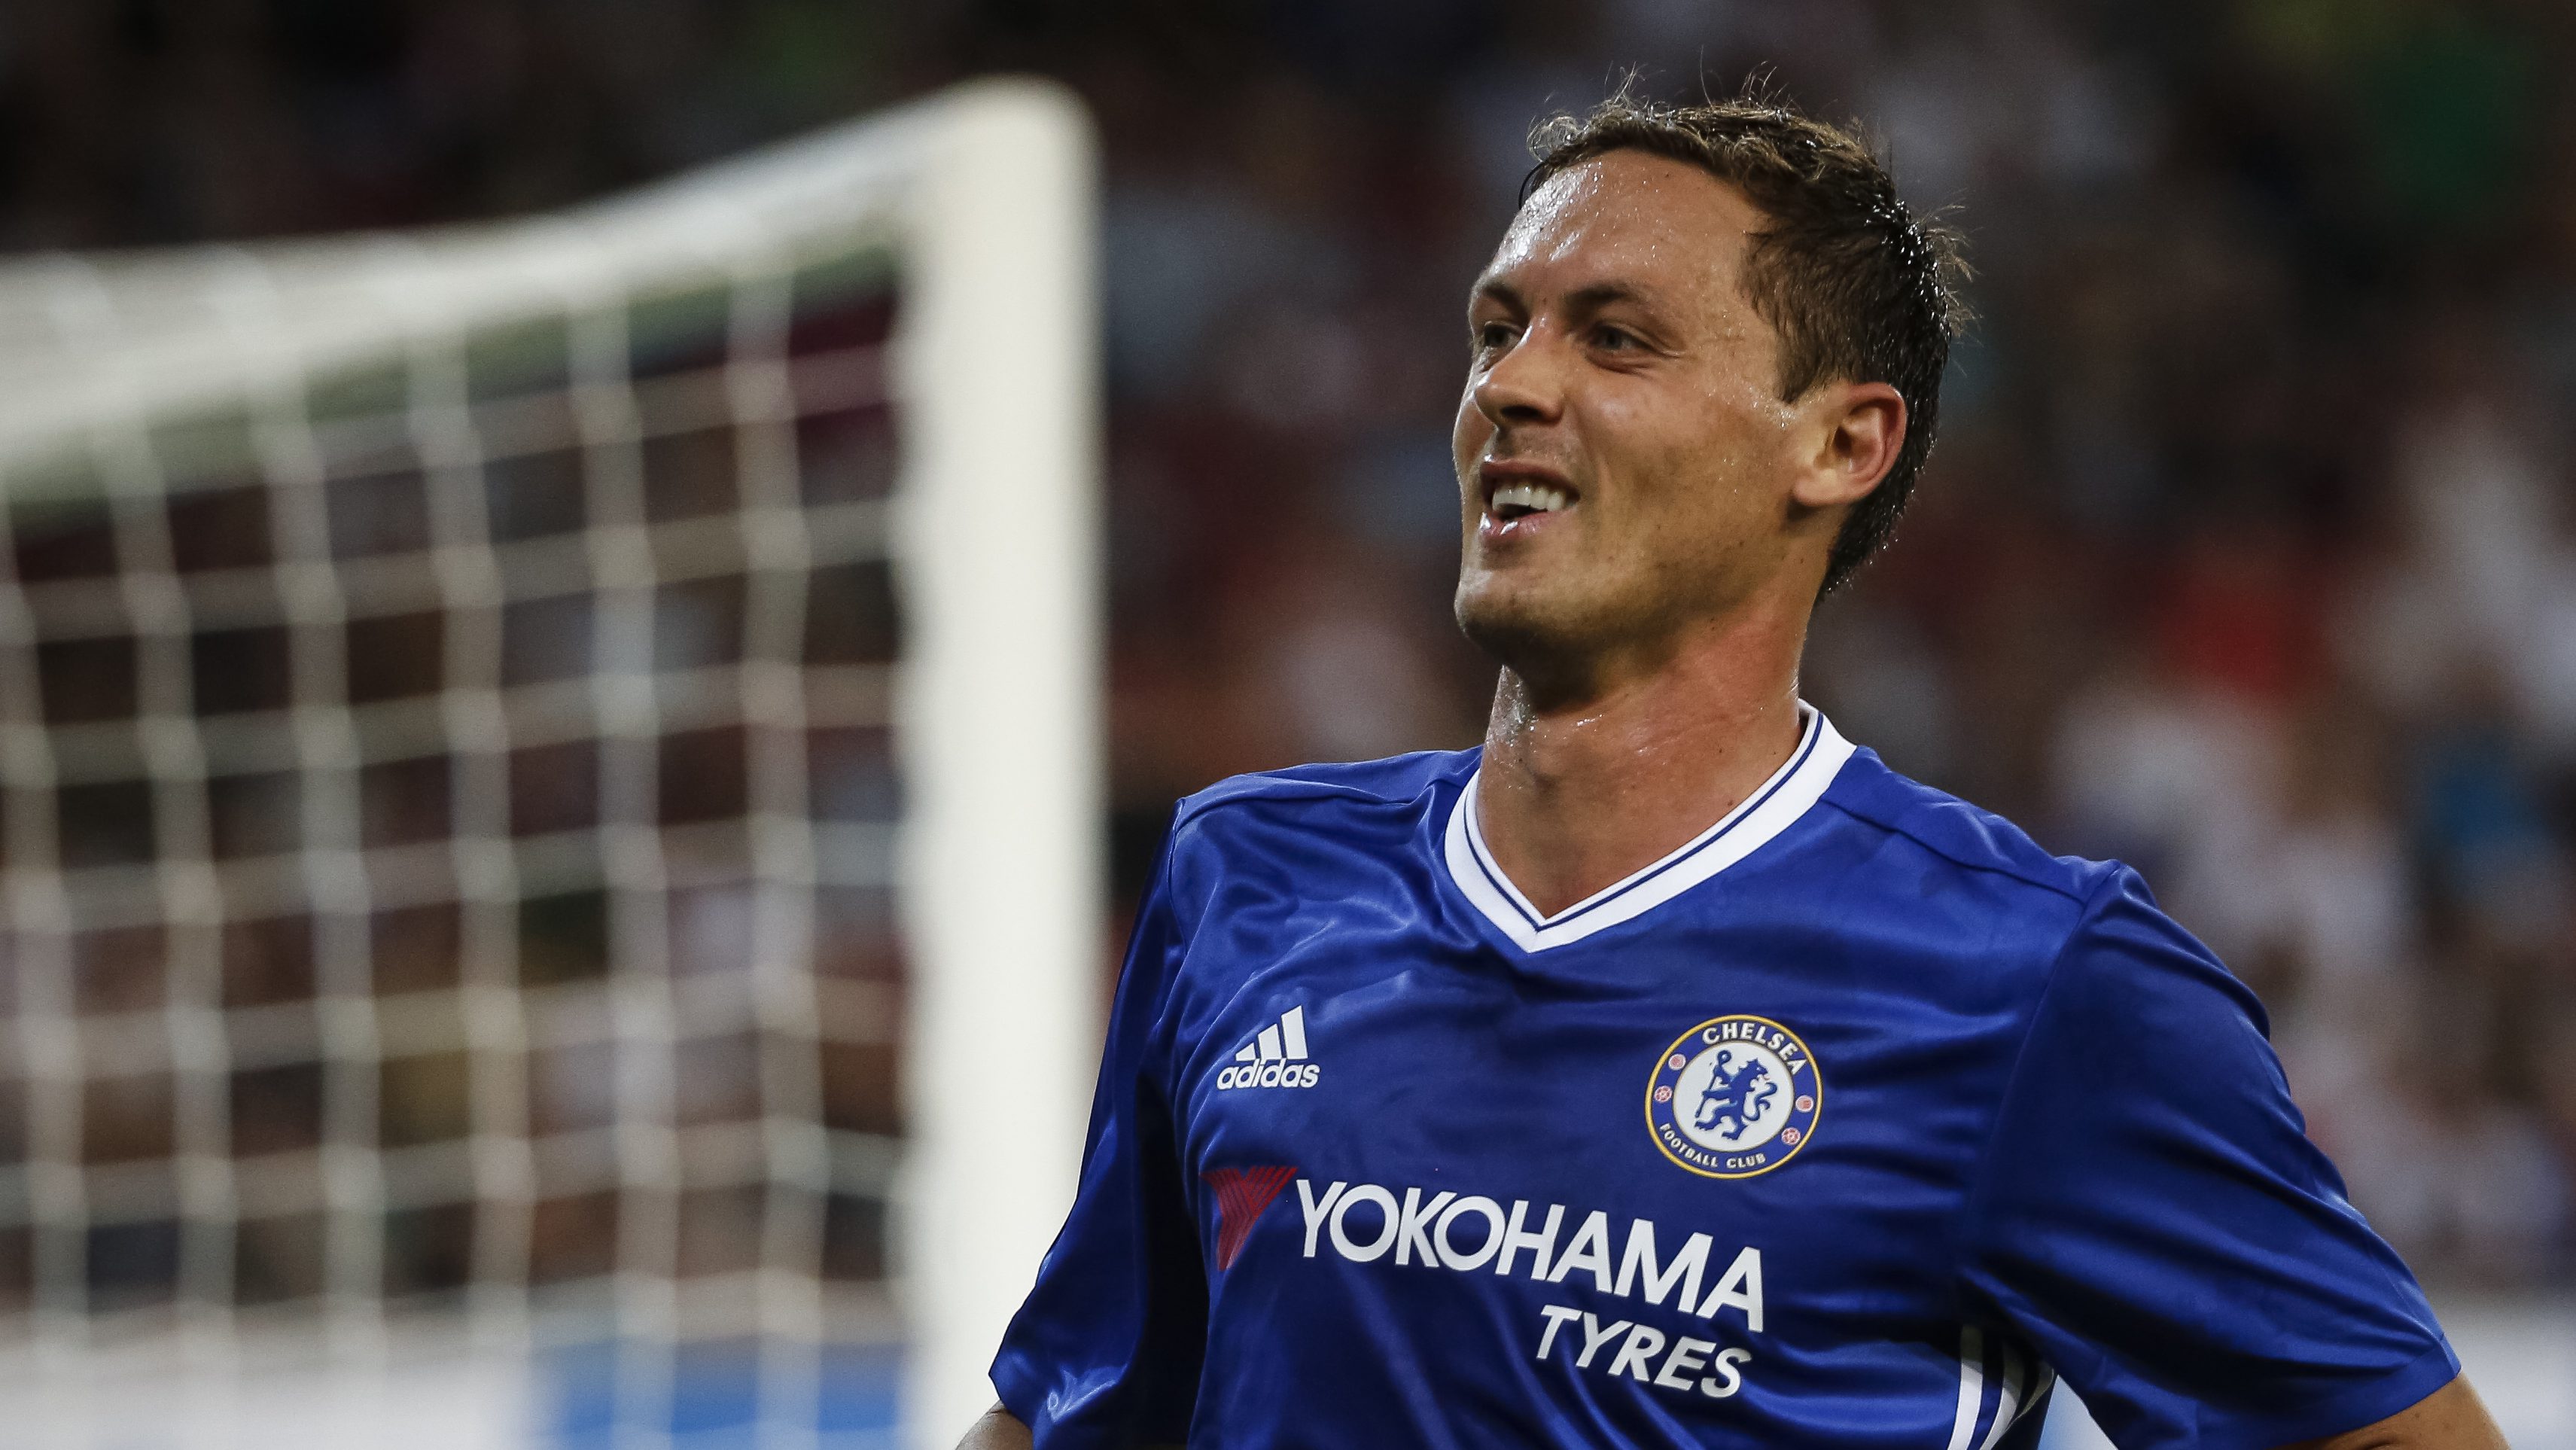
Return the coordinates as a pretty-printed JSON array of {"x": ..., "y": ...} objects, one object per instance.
[
  {"x": 226, "y": 1051},
  {"x": 1007, "y": 858}
]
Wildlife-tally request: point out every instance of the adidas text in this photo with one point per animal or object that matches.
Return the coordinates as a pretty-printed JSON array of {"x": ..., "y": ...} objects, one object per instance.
[{"x": 1270, "y": 1074}]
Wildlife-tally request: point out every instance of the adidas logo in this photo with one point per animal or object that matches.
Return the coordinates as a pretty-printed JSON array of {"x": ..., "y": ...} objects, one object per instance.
[{"x": 1275, "y": 1058}]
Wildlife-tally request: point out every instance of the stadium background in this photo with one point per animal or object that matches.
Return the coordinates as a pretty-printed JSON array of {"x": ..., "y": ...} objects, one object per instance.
[{"x": 2249, "y": 552}]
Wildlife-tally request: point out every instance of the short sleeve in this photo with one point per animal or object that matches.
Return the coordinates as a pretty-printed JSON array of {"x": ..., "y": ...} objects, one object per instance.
[
  {"x": 2153, "y": 1217},
  {"x": 1105, "y": 1352}
]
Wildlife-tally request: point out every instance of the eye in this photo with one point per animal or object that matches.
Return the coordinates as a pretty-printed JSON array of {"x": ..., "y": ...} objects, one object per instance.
[
  {"x": 1493, "y": 335},
  {"x": 1616, "y": 339}
]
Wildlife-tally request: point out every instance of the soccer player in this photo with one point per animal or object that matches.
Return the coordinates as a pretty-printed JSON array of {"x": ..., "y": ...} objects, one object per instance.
[{"x": 1670, "y": 1071}]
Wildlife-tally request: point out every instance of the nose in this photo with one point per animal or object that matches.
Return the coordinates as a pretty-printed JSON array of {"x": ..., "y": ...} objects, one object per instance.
[{"x": 1525, "y": 386}]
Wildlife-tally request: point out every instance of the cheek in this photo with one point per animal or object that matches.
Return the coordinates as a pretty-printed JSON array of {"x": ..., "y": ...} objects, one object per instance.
[
  {"x": 1693, "y": 466},
  {"x": 1665, "y": 454}
]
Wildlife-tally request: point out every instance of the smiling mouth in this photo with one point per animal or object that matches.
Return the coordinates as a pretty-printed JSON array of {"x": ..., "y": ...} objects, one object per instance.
[
  {"x": 1520, "y": 493},
  {"x": 1515, "y": 501}
]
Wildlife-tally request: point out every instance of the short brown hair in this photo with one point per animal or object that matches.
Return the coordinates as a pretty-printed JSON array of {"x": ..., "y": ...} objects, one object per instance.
[{"x": 1859, "y": 289}]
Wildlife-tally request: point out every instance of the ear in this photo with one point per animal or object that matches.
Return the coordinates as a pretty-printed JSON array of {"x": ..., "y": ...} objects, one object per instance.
[{"x": 1862, "y": 427}]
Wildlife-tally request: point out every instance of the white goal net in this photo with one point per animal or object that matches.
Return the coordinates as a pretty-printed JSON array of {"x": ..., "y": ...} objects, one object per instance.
[{"x": 548, "y": 808}]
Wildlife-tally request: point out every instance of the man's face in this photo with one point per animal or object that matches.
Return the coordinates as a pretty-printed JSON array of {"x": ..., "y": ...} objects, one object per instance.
[{"x": 1624, "y": 459}]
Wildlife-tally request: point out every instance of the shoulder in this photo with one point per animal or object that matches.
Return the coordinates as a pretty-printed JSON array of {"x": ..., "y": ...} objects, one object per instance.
[
  {"x": 1280, "y": 817},
  {"x": 2091, "y": 930},
  {"x": 1317, "y": 791},
  {"x": 1981, "y": 911},
  {"x": 1952, "y": 834}
]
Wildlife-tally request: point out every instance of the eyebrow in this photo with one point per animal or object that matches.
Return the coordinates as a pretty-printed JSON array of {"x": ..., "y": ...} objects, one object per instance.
[{"x": 1586, "y": 299}]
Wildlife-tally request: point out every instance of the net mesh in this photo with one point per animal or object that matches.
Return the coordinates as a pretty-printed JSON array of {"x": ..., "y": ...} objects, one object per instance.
[{"x": 448, "y": 799}]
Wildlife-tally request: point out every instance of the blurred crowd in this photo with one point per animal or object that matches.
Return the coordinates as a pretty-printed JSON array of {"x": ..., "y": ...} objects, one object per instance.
[{"x": 2248, "y": 555}]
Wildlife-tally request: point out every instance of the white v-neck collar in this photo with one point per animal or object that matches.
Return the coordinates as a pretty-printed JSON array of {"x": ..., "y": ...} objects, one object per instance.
[{"x": 1768, "y": 811}]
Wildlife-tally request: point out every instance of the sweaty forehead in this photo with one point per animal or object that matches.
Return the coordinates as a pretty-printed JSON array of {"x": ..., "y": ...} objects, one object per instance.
[{"x": 1628, "y": 217}]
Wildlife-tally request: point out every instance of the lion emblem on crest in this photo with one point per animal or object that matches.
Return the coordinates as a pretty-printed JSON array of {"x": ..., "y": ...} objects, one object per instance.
[{"x": 1737, "y": 1092}]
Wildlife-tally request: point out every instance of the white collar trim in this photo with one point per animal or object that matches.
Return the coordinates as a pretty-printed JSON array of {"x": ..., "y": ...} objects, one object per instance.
[{"x": 1769, "y": 810}]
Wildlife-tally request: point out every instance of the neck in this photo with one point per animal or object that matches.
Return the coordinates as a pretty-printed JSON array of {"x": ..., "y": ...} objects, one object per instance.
[{"x": 1578, "y": 793}]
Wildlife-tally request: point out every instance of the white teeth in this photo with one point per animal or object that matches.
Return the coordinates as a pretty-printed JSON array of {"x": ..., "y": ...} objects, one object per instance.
[{"x": 1538, "y": 498}]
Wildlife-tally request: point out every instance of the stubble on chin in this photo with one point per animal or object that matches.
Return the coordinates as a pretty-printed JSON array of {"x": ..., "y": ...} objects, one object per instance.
[
  {"x": 1542, "y": 641},
  {"x": 1491, "y": 620}
]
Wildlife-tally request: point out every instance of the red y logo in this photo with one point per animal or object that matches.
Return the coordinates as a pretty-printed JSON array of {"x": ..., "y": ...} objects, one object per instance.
[{"x": 1241, "y": 1195}]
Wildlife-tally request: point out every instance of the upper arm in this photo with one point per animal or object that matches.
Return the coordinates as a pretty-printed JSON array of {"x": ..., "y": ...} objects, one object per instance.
[
  {"x": 2153, "y": 1218},
  {"x": 2450, "y": 1418},
  {"x": 1105, "y": 1351}
]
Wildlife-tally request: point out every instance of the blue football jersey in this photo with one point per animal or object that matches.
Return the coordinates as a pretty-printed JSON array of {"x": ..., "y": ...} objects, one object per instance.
[{"x": 1858, "y": 1121}]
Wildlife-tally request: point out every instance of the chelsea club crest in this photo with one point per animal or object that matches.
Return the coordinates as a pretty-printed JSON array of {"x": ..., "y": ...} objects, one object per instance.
[{"x": 1734, "y": 1097}]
